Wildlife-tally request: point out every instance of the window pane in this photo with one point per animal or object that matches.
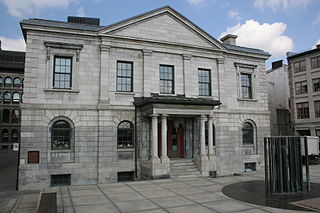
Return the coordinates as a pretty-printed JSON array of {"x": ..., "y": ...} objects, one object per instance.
[
  {"x": 62, "y": 72},
  {"x": 166, "y": 79}
]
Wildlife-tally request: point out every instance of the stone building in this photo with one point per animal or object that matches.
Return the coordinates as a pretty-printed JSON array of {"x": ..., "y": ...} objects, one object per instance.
[
  {"x": 279, "y": 95},
  {"x": 11, "y": 91},
  {"x": 304, "y": 81},
  {"x": 134, "y": 99}
]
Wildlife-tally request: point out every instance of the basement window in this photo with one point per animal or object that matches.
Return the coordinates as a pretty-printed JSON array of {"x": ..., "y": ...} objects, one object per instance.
[
  {"x": 125, "y": 176},
  {"x": 249, "y": 167},
  {"x": 61, "y": 180}
]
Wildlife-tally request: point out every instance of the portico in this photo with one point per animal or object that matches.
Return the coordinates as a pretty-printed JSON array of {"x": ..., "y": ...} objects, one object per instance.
[{"x": 177, "y": 131}]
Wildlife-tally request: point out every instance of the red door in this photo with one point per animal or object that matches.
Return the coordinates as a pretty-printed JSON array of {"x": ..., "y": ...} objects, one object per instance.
[{"x": 175, "y": 140}]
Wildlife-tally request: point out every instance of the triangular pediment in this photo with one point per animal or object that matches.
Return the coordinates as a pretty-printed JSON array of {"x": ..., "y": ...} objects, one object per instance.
[{"x": 163, "y": 25}]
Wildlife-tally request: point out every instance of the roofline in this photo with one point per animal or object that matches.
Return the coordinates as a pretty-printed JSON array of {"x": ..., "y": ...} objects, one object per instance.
[{"x": 303, "y": 53}]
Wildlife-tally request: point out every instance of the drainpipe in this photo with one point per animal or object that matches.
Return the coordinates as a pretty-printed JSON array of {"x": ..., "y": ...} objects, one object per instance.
[{"x": 135, "y": 144}]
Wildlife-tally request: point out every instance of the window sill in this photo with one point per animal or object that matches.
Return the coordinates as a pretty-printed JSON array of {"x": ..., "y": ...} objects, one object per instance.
[
  {"x": 124, "y": 93},
  {"x": 60, "y": 150},
  {"x": 297, "y": 74},
  {"x": 62, "y": 90},
  {"x": 247, "y": 99},
  {"x": 125, "y": 150},
  {"x": 304, "y": 95}
]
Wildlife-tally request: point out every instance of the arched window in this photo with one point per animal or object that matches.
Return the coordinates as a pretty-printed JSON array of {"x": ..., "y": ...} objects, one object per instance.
[
  {"x": 15, "y": 97},
  {"x": 60, "y": 135},
  {"x": 0, "y": 97},
  {"x": 125, "y": 135},
  {"x": 247, "y": 134},
  {"x": 1, "y": 81},
  {"x": 17, "y": 82},
  {"x": 5, "y": 116},
  {"x": 207, "y": 134},
  {"x": 15, "y": 116},
  {"x": 14, "y": 136},
  {"x": 6, "y": 97},
  {"x": 5, "y": 136},
  {"x": 7, "y": 82}
]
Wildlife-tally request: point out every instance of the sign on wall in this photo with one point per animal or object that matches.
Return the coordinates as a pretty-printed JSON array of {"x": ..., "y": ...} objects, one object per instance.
[{"x": 33, "y": 156}]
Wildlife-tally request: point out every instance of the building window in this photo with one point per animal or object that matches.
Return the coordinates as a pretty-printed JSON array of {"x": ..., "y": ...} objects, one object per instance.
[
  {"x": 249, "y": 167},
  {"x": 61, "y": 180},
  {"x": 62, "y": 72},
  {"x": 299, "y": 66},
  {"x": 5, "y": 136},
  {"x": 7, "y": 82},
  {"x": 14, "y": 136},
  {"x": 15, "y": 97},
  {"x": 301, "y": 87},
  {"x": 15, "y": 116},
  {"x": 317, "y": 109},
  {"x": 6, "y": 116},
  {"x": 204, "y": 81},
  {"x": 6, "y": 97},
  {"x": 1, "y": 81},
  {"x": 315, "y": 62},
  {"x": 60, "y": 135},
  {"x": 17, "y": 82},
  {"x": 316, "y": 84},
  {"x": 207, "y": 134},
  {"x": 303, "y": 110},
  {"x": 125, "y": 176},
  {"x": 166, "y": 79},
  {"x": 247, "y": 134},
  {"x": 246, "y": 85},
  {"x": 125, "y": 135},
  {"x": 124, "y": 76}
]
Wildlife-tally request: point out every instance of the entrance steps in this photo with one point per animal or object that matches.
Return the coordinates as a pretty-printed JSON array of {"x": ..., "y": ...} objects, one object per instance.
[{"x": 183, "y": 167}]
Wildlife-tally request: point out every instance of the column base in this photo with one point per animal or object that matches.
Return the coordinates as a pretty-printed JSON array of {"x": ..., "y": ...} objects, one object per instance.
[{"x": 165, "y": 159}]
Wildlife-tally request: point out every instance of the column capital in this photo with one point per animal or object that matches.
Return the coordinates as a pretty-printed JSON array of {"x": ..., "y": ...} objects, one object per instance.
[
  {"x": 154, "y": 115},
  {"x": 164, "y": 115},
  {"x": 210, "y": 117},
  {"x": 203, "y": 117},
  {"x": 147, "y": 52}
]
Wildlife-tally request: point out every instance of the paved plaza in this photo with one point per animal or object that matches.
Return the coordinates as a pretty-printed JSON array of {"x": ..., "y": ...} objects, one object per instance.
[{"x": 189, "y": 194}]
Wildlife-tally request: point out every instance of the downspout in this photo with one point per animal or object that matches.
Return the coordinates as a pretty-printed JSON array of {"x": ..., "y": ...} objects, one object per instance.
[{"x": 136, "y": 144}]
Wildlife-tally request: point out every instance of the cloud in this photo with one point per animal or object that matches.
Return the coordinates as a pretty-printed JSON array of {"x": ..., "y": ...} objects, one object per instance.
[
  {"x": 25, "y": 8},
  {"x": 80, "y": 12},
  {"x": 16, "y": 44},
  {"x": 196, "y": 2},
  {"x": 268, "y": 37},
  {"x": 234, "y": 15},
  {"x": 285, "y": 5},
  {"x": 317, "y": 20}
]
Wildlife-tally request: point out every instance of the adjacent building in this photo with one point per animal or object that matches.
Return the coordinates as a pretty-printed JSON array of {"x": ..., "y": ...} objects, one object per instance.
[
  {"x": 279, "y": 95},
  {"x": 125, "y": 101},
  {"x": 304, "y": 81},
  {"x": 11, "y": 91}
]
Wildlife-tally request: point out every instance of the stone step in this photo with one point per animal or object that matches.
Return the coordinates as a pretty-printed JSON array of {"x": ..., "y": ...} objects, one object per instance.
[
  {"x": 182, "y": 164},
  {"x": 183, "y": 167}
]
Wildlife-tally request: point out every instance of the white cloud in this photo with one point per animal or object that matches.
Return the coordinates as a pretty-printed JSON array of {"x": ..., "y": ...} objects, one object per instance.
[
  {"x": 16, "y": 44},
  {"x": 80, "y": 12},
  {"x": 317, "y": 20},
  {"x": 286, "y": 5},
  {"x": 234, "y": 14},
  {"x": 196, "y": 2},
  {"x": 268, "y": 37},
  {"x": 23, "y": 8}
]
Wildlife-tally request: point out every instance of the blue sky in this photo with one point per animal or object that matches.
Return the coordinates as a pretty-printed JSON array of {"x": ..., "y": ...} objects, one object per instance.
[{"x": 276, "y": 26}]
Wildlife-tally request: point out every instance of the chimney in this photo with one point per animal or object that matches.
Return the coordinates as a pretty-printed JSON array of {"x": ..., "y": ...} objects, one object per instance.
[
  {"x": 84, "y": 20},
  {"x": 318, "y": 46},
  {"x": 276, "y": 64},
  {"x": 229, "y": 39}
]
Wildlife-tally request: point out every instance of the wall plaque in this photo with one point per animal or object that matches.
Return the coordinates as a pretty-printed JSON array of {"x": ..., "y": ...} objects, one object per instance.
[{"x": 33, "y": 156}]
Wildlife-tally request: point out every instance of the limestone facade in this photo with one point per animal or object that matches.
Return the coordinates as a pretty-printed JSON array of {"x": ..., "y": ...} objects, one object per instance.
[{"x": 93, "y": 108}]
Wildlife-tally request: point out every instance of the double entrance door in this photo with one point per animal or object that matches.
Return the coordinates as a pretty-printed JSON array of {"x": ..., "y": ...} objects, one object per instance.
[{"x": 175, "y": 140}]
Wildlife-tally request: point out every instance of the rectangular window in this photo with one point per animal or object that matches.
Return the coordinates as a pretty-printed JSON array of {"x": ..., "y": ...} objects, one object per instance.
[
  {"x": 62, "y": 72},
  {"x": 124, "y": 76},
  {"x": 246, "y": 85},
  {"x": 204, "y": 80},
  {"x": 303, "y": 110},
  {"x": 316, "y": 84},
  {"x": 299, "y": 66},
  {"x": 61, "y": 180},
  {"x": 125, "y": 176},
  {"x": 301, "y": 87},
  {"x": 315, "y": 62},
  {"x": 317, "y": 109},
  {"x": 166, "y": 79},
  {"x": 249, "y": 167}
]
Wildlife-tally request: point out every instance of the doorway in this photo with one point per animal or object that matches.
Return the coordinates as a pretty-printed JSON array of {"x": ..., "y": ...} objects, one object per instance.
[{"x": 176, "y": 145}]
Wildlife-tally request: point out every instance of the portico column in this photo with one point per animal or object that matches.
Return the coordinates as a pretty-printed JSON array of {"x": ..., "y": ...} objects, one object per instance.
[
  {"x": 202, "y": 135},
  {"x": 154, "y": 136},
  {"x": 210, "y": 136},
  {"x": 164, "y": 136}
]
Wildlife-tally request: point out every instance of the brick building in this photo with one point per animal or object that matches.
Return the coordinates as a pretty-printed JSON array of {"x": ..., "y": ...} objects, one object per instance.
[
  {"x": 11, "y": 91},
  {"x": 134, "y": 99}
]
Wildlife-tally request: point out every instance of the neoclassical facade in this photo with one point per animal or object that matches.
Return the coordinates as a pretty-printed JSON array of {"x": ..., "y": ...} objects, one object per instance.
[{"x": 126, "y": 101}]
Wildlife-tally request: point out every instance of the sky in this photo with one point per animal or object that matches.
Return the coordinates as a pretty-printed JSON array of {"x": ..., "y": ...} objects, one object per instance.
[{"x": 275, "y": 26}]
